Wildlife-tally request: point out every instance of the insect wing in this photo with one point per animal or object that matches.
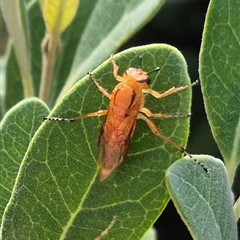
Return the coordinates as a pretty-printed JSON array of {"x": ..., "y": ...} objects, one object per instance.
[
  {"x": 118, "y": 128},
  {"x": 114, "y": 141}
]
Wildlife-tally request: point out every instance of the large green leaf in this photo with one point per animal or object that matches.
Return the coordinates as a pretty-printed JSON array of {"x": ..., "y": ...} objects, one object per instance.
[
  {"x": 58, "y": 194},
  {"x": 220, "y": 76},
  {"x": 16, "y": 131},
  {"x": 204, "y": 200}
]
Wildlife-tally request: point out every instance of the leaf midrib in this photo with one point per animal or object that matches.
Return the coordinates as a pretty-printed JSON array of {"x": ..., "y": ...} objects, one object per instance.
[{"x": 75, "y": 214}]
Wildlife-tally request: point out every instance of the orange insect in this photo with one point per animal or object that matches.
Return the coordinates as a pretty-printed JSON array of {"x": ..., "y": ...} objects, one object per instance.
[{"x": 125, "y": 107}]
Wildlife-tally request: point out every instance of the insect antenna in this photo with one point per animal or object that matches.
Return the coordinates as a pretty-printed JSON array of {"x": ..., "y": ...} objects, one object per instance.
[
  {"x": 182, "y": 150},
  {"x": 140, "y": 65},
  {"x": 58, "y": 119},
  {"x": 154, "y": 70},
  {"x": 207, "y": 170}
]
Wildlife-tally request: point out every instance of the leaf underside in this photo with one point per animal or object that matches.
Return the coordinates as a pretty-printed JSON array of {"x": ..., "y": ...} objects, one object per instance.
[{"x": 204, "y": 200}]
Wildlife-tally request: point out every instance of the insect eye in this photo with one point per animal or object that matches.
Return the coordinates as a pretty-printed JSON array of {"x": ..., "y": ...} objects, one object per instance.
[{"x": 147, "y": 81}]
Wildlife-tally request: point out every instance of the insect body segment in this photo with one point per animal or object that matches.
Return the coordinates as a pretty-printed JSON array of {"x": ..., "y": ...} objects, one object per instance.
[{"x": 125, "y": 107}]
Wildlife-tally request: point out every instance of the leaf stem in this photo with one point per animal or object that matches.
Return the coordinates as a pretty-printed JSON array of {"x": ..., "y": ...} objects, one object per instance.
[{"x": 50, "y": 46}]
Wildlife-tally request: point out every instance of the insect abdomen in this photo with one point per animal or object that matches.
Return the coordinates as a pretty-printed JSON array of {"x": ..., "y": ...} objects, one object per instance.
[{"x": 118, "y": 128}]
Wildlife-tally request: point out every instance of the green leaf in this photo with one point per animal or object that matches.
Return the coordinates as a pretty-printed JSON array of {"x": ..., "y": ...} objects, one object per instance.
[
  {"x": 58, "y": 194},
  {"x": 204, "y": 200},
  {"x": 37, "y": 32},
  {"x": 16, "y": 130},
  {"x": 220, "y": 73},
  {"x": 34, "y": 30},
  {"x": 14, "y": 13}
]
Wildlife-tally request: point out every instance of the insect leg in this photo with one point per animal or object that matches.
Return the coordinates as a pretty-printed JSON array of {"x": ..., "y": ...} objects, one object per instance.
[
  {"x": 148, "y": 113},
  {"x": 115, "y": 70},
  {"x": 94, "y": 114},
  {"x": 155, "y": 130},
  {"x": 169, "y": 91},
  {"x": 100, "y": 88}
]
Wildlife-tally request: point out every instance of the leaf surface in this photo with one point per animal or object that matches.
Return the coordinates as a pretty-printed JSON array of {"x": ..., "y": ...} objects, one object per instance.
[
  {"x": 16, "y": 131},
  {"x": 58, "y": 194},
  {"x": 204, "y": 200},
  {"x": 220, "y": 74}
]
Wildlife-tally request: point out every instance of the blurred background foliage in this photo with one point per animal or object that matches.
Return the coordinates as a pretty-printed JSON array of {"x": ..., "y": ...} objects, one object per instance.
[{"x": 180, "y": 24}]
